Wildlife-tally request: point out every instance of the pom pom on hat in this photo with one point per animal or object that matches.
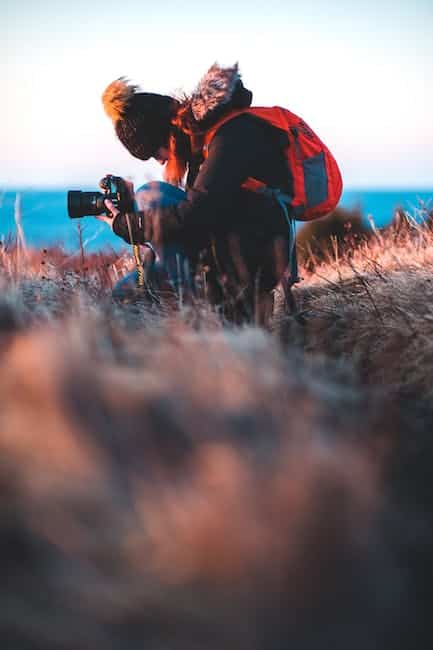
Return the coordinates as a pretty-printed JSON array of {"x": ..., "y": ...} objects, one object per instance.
[{"x": 116, "y": 98}]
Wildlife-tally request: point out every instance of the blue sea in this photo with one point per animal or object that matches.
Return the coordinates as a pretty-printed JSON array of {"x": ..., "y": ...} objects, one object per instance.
[{"x": 45, "y": 220}]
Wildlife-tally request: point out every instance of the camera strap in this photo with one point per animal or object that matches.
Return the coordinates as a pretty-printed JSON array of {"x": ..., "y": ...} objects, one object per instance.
[
  {"x": 138, "y": 264},
  {"x": 136, "y": 252}
]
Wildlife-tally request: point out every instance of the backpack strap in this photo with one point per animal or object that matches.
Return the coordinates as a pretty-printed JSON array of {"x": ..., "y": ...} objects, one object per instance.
[
  {"x": 285, "y": 203},
  {"x": 273, "y": 116}
]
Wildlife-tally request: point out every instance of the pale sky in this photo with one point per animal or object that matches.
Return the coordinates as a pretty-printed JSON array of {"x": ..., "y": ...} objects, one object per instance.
[{"x": 360, "y": 73}]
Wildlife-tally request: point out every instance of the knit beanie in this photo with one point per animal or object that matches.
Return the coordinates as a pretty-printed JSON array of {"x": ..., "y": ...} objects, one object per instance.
[{"x": 141, "y": 120}]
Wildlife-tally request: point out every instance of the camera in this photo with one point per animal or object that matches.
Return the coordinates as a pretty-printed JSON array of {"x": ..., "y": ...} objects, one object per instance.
[{"x": 82, "y": 204}]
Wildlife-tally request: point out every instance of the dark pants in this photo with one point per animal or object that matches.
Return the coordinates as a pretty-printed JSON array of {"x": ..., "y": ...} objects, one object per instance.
[{"x": 236, "y": 260}]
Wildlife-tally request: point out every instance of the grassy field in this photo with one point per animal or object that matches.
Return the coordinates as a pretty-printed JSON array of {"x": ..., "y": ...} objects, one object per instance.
[{"x": 171, "y": 481}]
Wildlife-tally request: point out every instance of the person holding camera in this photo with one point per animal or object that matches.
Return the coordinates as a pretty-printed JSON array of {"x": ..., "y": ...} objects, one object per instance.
[{"x": 242, "y": 189}]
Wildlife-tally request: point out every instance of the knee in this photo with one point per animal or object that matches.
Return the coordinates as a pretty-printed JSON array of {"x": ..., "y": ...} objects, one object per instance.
[{"x": 157, "y": 194}]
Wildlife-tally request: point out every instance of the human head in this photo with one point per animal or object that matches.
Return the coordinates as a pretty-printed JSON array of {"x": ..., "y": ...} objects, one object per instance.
[
  {"x": 145, "y": 125},
  {"x": 141, "y": 120}
]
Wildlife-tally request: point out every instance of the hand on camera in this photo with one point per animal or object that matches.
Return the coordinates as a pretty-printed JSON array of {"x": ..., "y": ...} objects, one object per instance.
[{"x": 114, "y": 211}]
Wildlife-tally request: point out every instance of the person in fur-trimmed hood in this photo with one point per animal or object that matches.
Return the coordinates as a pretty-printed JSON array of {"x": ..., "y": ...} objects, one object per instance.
[{"x": 249, "y": 228}]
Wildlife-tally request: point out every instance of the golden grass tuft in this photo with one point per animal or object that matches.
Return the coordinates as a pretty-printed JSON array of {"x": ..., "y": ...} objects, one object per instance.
[
  {"x": 323, "y": 239},
  {"x": 372, "y": 305}
]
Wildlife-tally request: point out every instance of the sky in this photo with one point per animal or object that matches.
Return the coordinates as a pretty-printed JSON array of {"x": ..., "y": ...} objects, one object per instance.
[{"x": 361, "y": 74}]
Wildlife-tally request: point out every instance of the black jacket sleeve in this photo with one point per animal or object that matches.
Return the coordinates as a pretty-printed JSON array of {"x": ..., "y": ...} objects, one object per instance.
[
  {"x": 130, "y": 227},
  {"x": 229, "y": 163}
]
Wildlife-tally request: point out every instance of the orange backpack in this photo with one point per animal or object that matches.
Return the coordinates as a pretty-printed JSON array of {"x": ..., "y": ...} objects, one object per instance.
[{"x": 317, "y": 182}]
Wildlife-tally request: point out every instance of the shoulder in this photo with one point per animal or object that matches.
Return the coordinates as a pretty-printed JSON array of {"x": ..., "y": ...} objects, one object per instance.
[
  {"x": 240, "y": 124},
  {"x": 250, "y": 132},
  {"x": 243, "y": 130}
]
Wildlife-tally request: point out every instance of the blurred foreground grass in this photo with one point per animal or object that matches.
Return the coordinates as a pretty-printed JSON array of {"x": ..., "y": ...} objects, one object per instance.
[{"x": 171, "y": 481}]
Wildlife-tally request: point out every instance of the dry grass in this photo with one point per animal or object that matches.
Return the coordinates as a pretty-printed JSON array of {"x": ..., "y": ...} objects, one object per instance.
[
  {"x": 325, "y": 239},
  {"x": 168, "y": 487},
  {"x": 372, "y": 304},
  {"x": 171, "y": 482}
]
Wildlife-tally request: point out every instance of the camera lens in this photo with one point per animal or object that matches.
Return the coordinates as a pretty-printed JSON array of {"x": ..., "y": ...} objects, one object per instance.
[
  {"x": 74, "y": 204},
  {"x": 81, "y": 204}
]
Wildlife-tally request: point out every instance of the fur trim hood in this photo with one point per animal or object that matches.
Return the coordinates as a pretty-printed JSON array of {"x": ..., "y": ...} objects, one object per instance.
[{"x": 217, "y": 90}]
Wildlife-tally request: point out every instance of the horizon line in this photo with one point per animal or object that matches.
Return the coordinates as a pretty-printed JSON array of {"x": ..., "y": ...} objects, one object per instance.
[{"x": 350, "y": 188}]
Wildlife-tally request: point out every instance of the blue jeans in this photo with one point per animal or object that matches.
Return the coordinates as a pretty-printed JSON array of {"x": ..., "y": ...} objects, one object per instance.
[{"x": 174, "y": 269}]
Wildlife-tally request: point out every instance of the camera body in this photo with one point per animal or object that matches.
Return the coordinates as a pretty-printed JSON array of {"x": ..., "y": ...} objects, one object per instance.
[{"x": 82, "y": 204}]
